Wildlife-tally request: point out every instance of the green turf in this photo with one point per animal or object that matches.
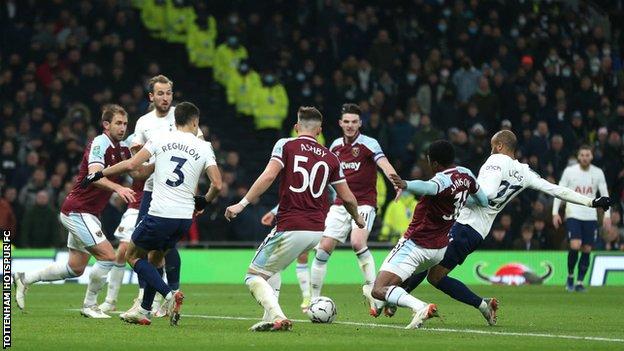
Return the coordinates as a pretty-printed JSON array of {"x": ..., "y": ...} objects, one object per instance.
[{"x": 50, "y": 323}]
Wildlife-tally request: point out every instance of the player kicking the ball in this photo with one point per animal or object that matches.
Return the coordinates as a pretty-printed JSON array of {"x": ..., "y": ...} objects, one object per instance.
[
  {"x": 79, "y": 215},
  {"x": 502, "y": 178},
  {"x": 425, "y": 241},
  {"x": 307, "y": 168},
  {"x": 180, "y": 159},
  {"x": 359, "y": 157}
]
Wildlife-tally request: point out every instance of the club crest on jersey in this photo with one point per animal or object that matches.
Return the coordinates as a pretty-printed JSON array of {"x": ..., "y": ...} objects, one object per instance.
[
  {"x": 120, "y": 229},
  {"x": 355, "y": 151},
  {"x": 99, "y": 233}
]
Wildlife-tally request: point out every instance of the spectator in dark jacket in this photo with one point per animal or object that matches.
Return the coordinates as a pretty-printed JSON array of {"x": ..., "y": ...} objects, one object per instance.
[{"x": 40, "y": 227}]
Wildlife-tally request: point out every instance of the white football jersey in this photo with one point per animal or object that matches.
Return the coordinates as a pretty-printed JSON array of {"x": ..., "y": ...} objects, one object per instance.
[
  {"x": 586, "y": 182},
  {"x": 502, "y": 179},
  {"x": 181, "y": 158},
  {"x": 149, "y": 125}
]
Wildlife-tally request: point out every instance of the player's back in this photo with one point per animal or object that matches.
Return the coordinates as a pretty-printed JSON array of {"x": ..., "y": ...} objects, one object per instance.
[
  {"x": 181, "y": 158},
  {"x": 510, "y": 177},
  {"x": 308, "y": 168},
  {"x": 435, "y": 214}
]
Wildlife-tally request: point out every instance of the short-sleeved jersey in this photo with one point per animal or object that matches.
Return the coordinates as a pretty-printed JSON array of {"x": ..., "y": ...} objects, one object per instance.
[
  {"x": 586, "y": 182},
  {"x": 307, "y": 169},
  {"x": 502, "y": 179},
  {"x": 101, "y": 150},
  {"x": 181, "y": 158},
  {"x": 358, "y": 161},
  {"x": 435, "y": 214},
  {"x": 147, "y": 127}
]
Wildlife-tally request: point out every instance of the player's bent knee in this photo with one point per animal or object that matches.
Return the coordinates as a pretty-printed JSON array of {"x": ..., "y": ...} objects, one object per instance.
[
  {"x": 433, "y": 279},
  {"x": 328, "y": 244},
  {"x": 379, "y": 292}
]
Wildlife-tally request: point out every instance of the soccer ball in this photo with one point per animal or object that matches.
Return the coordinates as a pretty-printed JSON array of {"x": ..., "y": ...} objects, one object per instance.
[{"x": 322, "y": 310}]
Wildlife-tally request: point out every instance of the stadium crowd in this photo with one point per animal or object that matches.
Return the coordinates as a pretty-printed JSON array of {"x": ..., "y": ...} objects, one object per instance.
[{"x": 420, "y": 71}]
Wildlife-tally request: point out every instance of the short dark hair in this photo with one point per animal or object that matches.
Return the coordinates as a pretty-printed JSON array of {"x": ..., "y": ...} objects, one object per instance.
[
  {"x": 584, "y": 147},
  {"x": 442, "y": 152},
  {"x": 110, "y": 110},
  {"x": 527, "y": 227},
  {"x": 350, "y": 108},
  {"x": 185, "y": 112},
  {"x": 309, "y": 113},
  {"x": 159, "y": 79}
]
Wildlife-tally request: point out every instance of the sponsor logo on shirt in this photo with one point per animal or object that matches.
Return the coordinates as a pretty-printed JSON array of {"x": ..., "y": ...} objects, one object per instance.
[
  {"x": 585, "y": 190},
  {"x": 492, "y": 168},
  {"x": 350, "y": 165}
]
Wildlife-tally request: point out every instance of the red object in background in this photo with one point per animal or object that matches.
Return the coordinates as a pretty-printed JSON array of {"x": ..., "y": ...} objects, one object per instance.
[{"x": 193, "y": 234}]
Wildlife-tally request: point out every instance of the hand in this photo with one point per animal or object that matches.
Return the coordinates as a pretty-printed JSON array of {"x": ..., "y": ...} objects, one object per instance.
[
  {"x": 200, "y": 203},
  {"x": 267, "y": 219},
  {"x": 397, "y": 182},
  {"x": 606, "y": 223},
  {"x": 233, "y": 211},
  {"x": 126, "y": 194},
  {"x": 399, "y": 191},
  {"x": 602, "y": 202},
  {"x": 360, "y": 221},
  {"x": 90, "y": 178},
  {"x": 556, "y": 221}
]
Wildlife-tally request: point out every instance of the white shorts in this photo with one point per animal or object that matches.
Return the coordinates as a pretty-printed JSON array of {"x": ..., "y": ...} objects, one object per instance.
[
  {"x": 408, "y": 258},
  {"x": 339, "y": 224},
  {"x": 84, "y": 230},
  {"x": 126, "y": 225},
  {"x": 280, "y": 249}
]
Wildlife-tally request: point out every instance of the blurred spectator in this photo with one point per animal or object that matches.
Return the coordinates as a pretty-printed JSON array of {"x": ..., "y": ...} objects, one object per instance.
[
  {"x": 36, "y": 184},
  {"x": 40, "y": 226},
  {"x": 397, "y": 217},
  {"x": 8, "y": 221},
  {"x": 526, "y": 242},
  {"x": 498, "y": 240}
]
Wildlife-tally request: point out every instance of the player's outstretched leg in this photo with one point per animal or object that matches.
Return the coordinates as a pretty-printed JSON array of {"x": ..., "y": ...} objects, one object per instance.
[
  {"x": 52, "y": 272},
  {"x": 303, "y": 276},
  {"x": 319, "y": 265},
  {"x": 386, "y": 288},
  {"x": 265, "y": 295},
  {"x": 459, "y": 291},
  {"x": 276, "y": 283}
]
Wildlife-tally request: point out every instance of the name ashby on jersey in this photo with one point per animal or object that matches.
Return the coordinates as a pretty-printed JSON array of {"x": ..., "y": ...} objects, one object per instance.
[
  {"x": 314, "y": 149},
  {"x": 182, "y": 147}
]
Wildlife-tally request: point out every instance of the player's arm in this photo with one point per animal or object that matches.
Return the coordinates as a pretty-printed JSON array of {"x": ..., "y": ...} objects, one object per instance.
[
  {"x": 216, "y": 183},
  {"x": 349, "y": 201},
  {"x": 556, "y": 218},
  {"x": 126, "y": 194},
  {"x": 479, "y": 199},
  {"x": 268, "y": 217},
  {"x": 143, "y": 172},
  {"x": 604, "y": 191},
  {"x": 418, "y": 187},
  {"x": 388, "y": 171},
  {"x": 258, "y": 188},
  {"x": 125, "y": 166},
  {"x": 569, "y": 195}
]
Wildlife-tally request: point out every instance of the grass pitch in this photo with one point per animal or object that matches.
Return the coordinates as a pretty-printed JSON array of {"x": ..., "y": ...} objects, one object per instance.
[{"x": 216, "y": 317}]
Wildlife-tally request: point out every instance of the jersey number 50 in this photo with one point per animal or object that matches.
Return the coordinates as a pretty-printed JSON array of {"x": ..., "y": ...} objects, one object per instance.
[{"x": 310, "y": 178}]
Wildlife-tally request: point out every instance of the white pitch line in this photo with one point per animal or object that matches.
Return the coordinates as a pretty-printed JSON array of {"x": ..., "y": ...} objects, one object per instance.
[{"x": 443, "y": 330}]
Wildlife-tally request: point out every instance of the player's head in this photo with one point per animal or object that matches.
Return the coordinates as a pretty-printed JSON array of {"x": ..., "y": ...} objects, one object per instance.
[
  {"x": 350, "y": 121},
  {"x": 187, "y": 116},
  {"x": 441, "y": 155},
  {"x": 114, "y": 121},
  {"x": 309, "y": 121},
  {"x": 504, "y": 142},
  {"x": 584, "y": 156},
  {"x": 161, "y": 93}
]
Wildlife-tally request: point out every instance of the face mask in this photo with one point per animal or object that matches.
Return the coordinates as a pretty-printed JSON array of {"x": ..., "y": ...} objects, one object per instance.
[
  {"x": 232, "y": 41},
  {"x": 584, "y": 29},
  {"x": 444, "y": 73},
  {"x": 446, "y": 12},
  {"x": 606, "y": 52},
  {"x": 233, "y": 19},
  {"x": 411, "y": 77},
  {"x": 269, "y": 79},
  {"x": 514, "y": 32},
  {"x": 244, "y": 68},
  {"x": 306, "y": 92},
  {"x": 472, "y": 30},
  {"x": 442, "y": 27},
  {"x": 300, "y": 76},
  {"x": 566, "y": 72}
]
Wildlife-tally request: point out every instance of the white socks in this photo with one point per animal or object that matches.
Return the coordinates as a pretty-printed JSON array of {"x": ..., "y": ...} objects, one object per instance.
[
  {"x": 55, "y": 271},
  {"x": 115, "y": 278},
  {"x": 319, "y": 270},
  {"x": 303, "y": 276},
  {"x": 367, "y": 265},
  {"x": 265, "y": 295},
  {"x": 398, "y": 296},
  {"x": 276, "y": 283},
  {"x": 97, "y": 278}
]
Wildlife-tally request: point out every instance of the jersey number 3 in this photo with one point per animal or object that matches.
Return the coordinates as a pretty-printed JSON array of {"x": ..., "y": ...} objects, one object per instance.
[
  {"x": 309, "y": 178},
  {"x": 177, "y": 171}
]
